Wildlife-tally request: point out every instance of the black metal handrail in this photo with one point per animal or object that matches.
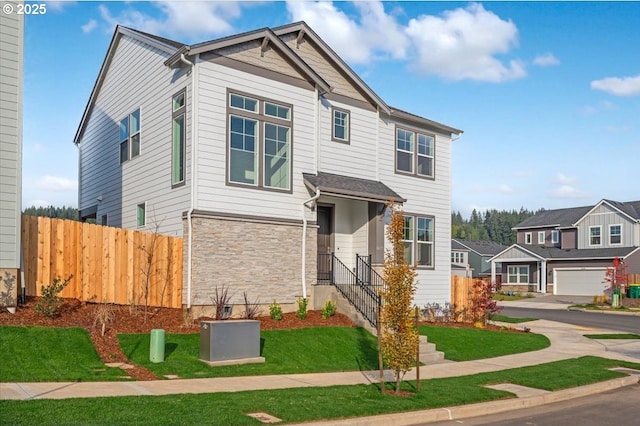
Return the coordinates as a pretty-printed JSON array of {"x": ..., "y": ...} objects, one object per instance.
[
  {"x": 363, "y": 296},
  {"x": 366, "y": 274}
]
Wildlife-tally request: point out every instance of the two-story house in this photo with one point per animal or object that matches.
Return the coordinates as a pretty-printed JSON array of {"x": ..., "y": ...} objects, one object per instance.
[
  {"x": 567, "y": 251},
  {"x": 264, "y": 151},
  {"x": 473, "y": 256}
]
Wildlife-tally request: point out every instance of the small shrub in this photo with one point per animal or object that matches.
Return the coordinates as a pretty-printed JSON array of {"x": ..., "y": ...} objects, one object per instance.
[
  {"x": 302, "y": 308},
  {"x": 104, "y": 315},
  {"x": 220, "y": 299},
  {"x": 251, "y": 309},
  {"x": 50, "y": 300},
  {"x": 275, "y": 311},
  {"x": 482, "y": 302},
  {"x": 329, "y": 309},
  {"x": 443, "y": 313}
]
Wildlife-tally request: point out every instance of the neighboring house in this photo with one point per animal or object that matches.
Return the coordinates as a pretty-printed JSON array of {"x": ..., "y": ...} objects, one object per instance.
[
  {"x": 476, "y": 254},
  {"x": 460, "y": 260},
  {"x": 11, "y": 66},
  {"x": 265, "y": 151},
  {"x": 567, "y": 251}
]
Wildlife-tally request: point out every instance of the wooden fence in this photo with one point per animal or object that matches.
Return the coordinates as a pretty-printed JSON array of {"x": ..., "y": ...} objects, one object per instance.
[
  {"x": 461, "y": 291},
  {"x": 109, "y": 265},
  {"x": 633, "y": 278}
]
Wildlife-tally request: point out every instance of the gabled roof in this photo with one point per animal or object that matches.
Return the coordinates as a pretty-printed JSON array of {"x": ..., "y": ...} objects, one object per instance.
[
  {"x": 482, "y": 248},
  {"x": 164, "y": 44},
  {"x": 350, "y": 187},
  {"x": 455, "y": 245},
  {"x": 268, "y": 37},
  {"x": 630, "y": 209},
  {"x": 554, "y": 253},
  {"x": 404, "y": 115}
]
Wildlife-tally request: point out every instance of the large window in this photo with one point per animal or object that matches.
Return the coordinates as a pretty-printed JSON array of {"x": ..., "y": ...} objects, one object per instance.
[
  {"x": 415, "y": 153},
  {"x": 340, "y": 127},
  {"x": 130, "y": 136},
  {"x": 418, "y": 240},
  {"x": 615, "y": 234},
  {"x": 259, "y": 144},
  {"x": 518, "y": 274},
  {"x": 595, "y": 235},
  {"x": 178, "y": 136}
]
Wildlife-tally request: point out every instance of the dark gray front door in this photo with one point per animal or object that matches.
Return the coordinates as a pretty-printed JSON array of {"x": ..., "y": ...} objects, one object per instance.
[{"x": 325, "y": 242}]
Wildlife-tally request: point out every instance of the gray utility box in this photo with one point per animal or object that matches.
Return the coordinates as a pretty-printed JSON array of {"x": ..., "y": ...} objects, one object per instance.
[{"x": 229, "y": 340}]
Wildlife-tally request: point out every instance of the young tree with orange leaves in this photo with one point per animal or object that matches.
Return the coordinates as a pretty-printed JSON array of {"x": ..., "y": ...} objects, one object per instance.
[{"x": 398, "y": 334}]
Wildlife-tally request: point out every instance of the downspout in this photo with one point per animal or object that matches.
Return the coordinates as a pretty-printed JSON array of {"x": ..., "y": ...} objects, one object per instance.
[
  {"x": 194, "y": 138},
  {"x": 304, "y": 242}
]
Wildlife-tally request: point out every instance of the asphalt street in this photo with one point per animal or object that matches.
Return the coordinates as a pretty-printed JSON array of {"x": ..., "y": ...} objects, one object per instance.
[{"x": 613, "y": 322}]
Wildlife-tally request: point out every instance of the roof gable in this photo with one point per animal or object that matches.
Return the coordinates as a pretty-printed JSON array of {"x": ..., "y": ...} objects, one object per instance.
[
  {"x": 163, "y": 44},
  {"x": 482, "y": 248},
  {"x": 628, "y": 209}
]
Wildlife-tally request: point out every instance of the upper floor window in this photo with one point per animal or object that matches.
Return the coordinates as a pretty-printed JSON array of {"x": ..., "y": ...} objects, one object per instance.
[
  {"x": 595, "y": 235},
  {"x": 178, "y": 136},
  {"x": 615, "y": 234},
  {"x": 528, "y": 238},
  {"x": 540, "y": 237},
  {"x": 457, "y": 257},
  {"x": 555, "y": 237},
  {"x": 340, "y": 127},
  {"x": 418, "y": 240},
  {"x": 415, "y": 153},
  {"x": 259, "y": 142},
  {"x": 130, "y": 136}
]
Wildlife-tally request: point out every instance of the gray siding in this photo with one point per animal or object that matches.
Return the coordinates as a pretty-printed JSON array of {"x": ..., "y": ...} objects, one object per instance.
[
  {"x": 147, "y": 177},
  {"x": 604, "y": 216},
  {"x": 11, "y": 72}
]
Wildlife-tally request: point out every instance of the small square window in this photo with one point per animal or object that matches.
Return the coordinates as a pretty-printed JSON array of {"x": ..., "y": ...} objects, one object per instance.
[{"x": 243, "y": 102}]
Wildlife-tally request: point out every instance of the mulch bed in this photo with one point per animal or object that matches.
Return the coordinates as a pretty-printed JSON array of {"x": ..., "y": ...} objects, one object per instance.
[{"x": 125, "y": 319}]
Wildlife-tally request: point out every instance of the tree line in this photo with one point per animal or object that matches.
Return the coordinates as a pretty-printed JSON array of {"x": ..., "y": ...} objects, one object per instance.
[
  {"x": 63, "y": 212},
  {"x": 492, "y": 225}
]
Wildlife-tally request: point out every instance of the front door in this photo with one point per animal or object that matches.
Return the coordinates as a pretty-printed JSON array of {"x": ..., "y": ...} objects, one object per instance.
[{"x": 325, "y": 242}]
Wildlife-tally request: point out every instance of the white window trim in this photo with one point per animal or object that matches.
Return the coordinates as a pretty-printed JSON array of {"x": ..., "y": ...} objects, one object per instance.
[
  {"x": 555, "y": 236},
  {"x": 347, "y": 126},
  {"x": 176, "y": 113},
  {"x": 517, "y": 274},
  {"x": 610, "y": 235},
  {"x": 145, "y": 215},
  {"x": 589, "y": 236},
  {"x": 528, "y": 238},
  {"x": 540, "y": 237}
]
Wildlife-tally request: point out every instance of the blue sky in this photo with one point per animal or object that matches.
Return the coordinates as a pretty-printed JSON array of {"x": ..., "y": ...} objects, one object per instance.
[{"x": 548, "y": 94}]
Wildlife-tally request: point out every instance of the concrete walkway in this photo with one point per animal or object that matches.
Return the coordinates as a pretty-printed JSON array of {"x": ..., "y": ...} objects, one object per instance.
[{"x": 567, "y": 341}]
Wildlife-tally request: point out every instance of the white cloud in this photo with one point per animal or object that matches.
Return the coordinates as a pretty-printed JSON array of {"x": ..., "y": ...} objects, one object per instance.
[
  {"x": 183, "y": 19},
  {"x": 377, "y": 33},
  {"x": 566, "y": 188},
  {"x": 546, "y": 60},
  {"x": 626, "y": 86},
  {"x": 462, "y": 44},
  {"x": 58, "y": 6},
  {"x": 56, "y": 183},
  {"x": 506, "y": 189},
  {"x": 38, "y": 147},
  {"x": 89, "y": 26}
]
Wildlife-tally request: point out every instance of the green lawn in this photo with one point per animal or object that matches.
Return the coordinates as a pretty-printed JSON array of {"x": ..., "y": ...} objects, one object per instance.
[
  {"x": 306, "y": 350},
  {"x": 621, "y": 336},
  {"x": 37, "y": 354},
  {"x": 465, "y": 344},
  {"x": 511, "y": 320},
  {"x": 303, "y": 404}
]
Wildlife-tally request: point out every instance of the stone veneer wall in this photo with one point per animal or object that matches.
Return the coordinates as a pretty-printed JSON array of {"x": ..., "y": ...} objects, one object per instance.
[
  {"x": 258, "y": 255},
  {"x": 9, "y": 283}
]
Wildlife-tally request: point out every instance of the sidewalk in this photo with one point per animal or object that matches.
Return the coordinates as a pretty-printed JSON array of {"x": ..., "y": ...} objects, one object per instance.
[{"x": 566, "y": 342}]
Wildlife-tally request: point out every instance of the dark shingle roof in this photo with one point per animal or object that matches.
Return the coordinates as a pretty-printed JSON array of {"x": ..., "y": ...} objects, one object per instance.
[
  {"x": 483, "y": 248},
  {"x": 350, "y": 186},
  {"x": 455, "y": 245},
  {"x": 587, "y": 254},
  {"x": 569, "y": 216}
]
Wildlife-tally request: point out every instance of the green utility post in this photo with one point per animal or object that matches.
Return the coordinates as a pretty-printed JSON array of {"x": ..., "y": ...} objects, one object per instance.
[{"x": 156, "y": 348}]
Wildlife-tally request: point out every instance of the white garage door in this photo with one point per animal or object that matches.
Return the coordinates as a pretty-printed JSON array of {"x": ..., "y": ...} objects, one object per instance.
[{"x": 579, "y": 281}]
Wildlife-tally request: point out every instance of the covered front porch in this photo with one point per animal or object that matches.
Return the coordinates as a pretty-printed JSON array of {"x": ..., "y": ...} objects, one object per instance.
[{"x": 520, "y": 270}]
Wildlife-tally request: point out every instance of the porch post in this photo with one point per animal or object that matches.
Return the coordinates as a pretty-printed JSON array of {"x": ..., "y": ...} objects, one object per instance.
[
  {"x": 493, "y": 271},
  {"x": 542, "y": 279}
]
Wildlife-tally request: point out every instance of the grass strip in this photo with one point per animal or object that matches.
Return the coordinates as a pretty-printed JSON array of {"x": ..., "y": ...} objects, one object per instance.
[
  {"x": 614, "y": 336},
  {"x": 466, "y": 344},
  {"x": 511, "y": 320},
  {"x": 38, "y": 354},
  {"x": 304, "y": 404},
  {"x": 305, "y": 350}
]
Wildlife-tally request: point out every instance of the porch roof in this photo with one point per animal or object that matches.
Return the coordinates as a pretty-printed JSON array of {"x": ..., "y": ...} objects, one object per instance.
[
  {"x": 554, "y": 253},
  {"x": 350, "y": 187}
]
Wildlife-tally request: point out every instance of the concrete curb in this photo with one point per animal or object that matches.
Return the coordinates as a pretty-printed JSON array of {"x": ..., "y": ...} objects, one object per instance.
[
  {"x": 480, "y": 409},
  {"x": 637, "y": 314}
]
